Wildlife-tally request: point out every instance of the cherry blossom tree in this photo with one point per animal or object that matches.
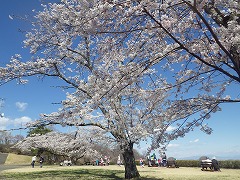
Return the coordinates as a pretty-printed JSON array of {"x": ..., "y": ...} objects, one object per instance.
[
  {"x": 110, "y": 90},
  {"x": 195, "y": 41},
  {"x": 74, "y": 145},
  {"x": 133, "y": 68}
]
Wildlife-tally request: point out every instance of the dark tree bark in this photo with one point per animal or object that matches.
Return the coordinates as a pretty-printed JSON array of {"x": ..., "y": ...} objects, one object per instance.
[{"x": 130, "y": 164}]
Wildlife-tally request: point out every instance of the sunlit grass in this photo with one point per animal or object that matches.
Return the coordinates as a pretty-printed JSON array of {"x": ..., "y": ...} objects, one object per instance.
[
  {"x": 67, "y": 174},
  {"x": 116, "y": 173},
  {"x": 18, "y": 159}
]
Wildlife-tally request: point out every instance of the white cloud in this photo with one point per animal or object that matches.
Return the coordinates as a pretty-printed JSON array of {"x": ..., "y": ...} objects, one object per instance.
[
  {"x": 3, "y": 123},
  {"x": 194, "y": 141},
  {"x": 172, "y": 145},
  {"x": 22, "y": 120},
  {"x": 7, "y": 123},
  {"x": 170, "y": 128},
  {"x": 21, "y": 106}
]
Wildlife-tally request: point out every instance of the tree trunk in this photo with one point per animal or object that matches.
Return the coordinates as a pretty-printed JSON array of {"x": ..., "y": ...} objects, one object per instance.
[{"x": 130, "y": 164}]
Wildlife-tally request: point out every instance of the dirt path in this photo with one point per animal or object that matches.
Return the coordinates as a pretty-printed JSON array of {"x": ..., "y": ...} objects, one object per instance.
[
  {"x": 3, "y": 157},
  {"x": 7, "y": 167}
]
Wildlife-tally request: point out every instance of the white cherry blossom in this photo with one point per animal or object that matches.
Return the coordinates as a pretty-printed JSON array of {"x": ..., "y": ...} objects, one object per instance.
[{"x": 135, "y": 66}]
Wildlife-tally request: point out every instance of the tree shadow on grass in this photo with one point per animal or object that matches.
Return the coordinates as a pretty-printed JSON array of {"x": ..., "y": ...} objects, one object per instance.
[{"x": 82, "y": 174}]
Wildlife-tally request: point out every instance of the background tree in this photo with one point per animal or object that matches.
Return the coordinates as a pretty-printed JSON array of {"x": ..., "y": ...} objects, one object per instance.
[
  {"x": 73, "y": 146},
  {"x": 41, "y": 130},
  {"x": 17, "y": 138},
  {"x": 109, "y": 68},
  {"x": 7, "y": 140},
  {"x": 5, "y": 137}
]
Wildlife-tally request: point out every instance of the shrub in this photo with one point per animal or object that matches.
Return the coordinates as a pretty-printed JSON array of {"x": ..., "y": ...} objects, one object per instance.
[
  {"x": 228, "y": 164},
  {"x": 188, "y": 163}
]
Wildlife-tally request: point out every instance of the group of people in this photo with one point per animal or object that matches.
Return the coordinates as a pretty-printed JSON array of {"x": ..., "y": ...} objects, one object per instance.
[
  {"x": 153, "y": 161},
  {"x": 212, "y": 164},
  {"x": 103, "y": 161},
  {"x": 34, "y": 159}
]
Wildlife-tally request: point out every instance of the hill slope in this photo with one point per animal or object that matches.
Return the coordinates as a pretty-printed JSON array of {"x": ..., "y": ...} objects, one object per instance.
[{"x": 15, "y": 159}]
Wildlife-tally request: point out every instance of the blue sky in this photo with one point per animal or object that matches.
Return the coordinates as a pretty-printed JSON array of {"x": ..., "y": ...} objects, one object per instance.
[{"x": 24, "y": 103}]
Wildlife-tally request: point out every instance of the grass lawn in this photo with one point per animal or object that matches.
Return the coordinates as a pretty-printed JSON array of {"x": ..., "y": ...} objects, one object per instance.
[
  {"x": 18, "y": 159},
  {"x": 115, "y": 173}
]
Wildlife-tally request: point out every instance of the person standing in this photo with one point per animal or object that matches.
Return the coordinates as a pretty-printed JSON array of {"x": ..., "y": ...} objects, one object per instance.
[
  {"x": 164, "y": 159},
  {"x": 149, "y": 161},
  {"x": 34, "y": 158},
  {"x": 141, "y": 162},
  {"x": 41, "y": 160},
  {"x": 119, "y": 160},
  {"x": 97, "y": 162},
  {"x": 101, "y": 161},
  {"x": 159, "y": 162},
  {"x": 108, "y": 161},
  {"x": 215, "y": 164},
  {"x": 105, "y": 159}
]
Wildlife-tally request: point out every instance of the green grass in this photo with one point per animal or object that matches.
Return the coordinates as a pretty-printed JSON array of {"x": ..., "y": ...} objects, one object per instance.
[
  {"x": 115, "y": 173},
  {"x": 18, "y": 159},
  {"x": 81, "y": 174}
]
